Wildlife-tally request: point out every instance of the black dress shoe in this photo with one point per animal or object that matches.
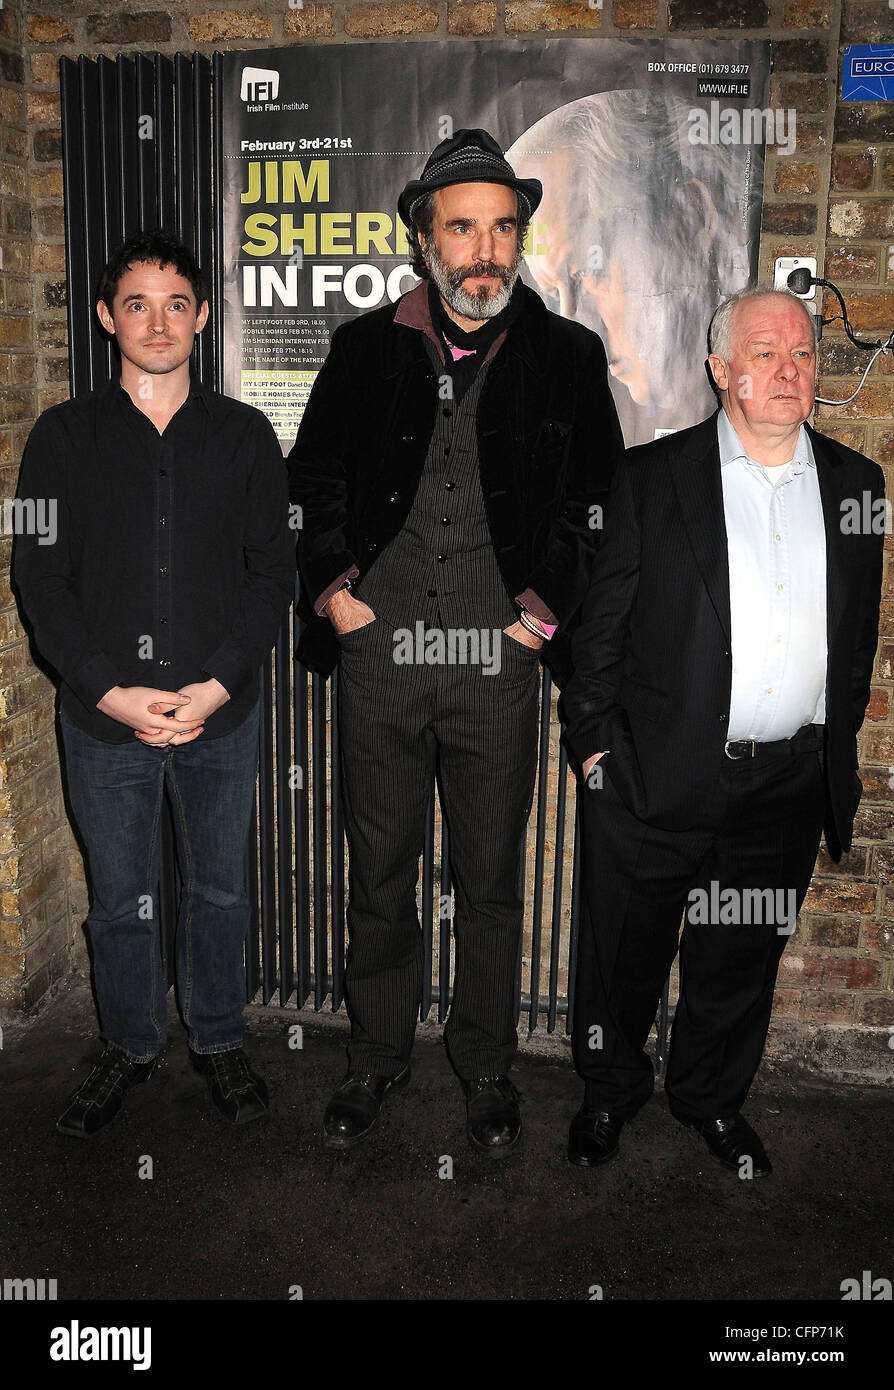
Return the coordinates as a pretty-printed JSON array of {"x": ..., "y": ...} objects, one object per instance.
[
  {"x": 101, "y": 1096},
  {"x": 493, "y": 1122},
  {"x": 237, "y": 1092},
  {"x": 593, "y": 1137},
  {"x": 354, "y": 1108},
  {"x": 732, "y": 1141}
]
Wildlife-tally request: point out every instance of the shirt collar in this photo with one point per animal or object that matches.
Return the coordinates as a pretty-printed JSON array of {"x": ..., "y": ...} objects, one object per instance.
[
  {"x": 197, "y": 391},
  {"x": 413, "y": 312},
  {"x": 732, "y": 450}
]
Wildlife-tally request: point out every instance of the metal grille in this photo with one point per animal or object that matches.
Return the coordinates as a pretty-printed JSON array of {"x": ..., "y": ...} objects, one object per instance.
[{"x": 140, "y": 149}]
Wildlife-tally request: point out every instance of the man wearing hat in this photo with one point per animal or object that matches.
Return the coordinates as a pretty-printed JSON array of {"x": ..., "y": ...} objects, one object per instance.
[{"x": 450, "y": 465}]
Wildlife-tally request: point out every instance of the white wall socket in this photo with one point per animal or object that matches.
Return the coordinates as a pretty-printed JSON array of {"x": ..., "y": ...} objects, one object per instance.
[{"x": 784, "y": 265}]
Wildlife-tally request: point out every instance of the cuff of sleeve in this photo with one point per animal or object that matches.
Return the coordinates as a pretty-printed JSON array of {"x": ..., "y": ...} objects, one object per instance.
[
  {"x": 333, "y": 588},
  {"x": 538, "y": 609},
  {"x": 582, "y": 745},
  {"x": 231, "y": 670},
  {"x": 93, "y": 679}
]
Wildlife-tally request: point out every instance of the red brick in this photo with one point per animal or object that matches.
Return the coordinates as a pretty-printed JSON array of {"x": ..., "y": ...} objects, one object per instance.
[
  {"x": 805, "y": 14},
  {"x": 851, "y": 972},
  {"x": 635, "y": 14},
  {"x": 824, "y": 1007},
  {"x": 215, "y": 25},
  {"x": 528, "y": 16},
  {"x": 310, "y": 21},
  {"x": 852, "y": 169},
  {"x": 464, "y": 18},
  {"x": 846, "y": 895},
  {"x": 796, "y": 179},
  {"x": 876, "y": 1010},
  {"x": 787, "y": 1003},
  {"x": 852, "y": 263},
  {"x": 800, "y": 970},
  {"x": 47, "y": 28},
  {"x": 716, "y": 14}
]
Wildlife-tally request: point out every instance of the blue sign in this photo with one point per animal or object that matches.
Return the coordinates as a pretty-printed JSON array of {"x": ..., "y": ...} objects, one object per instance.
[{"x": 867, "y": 72}]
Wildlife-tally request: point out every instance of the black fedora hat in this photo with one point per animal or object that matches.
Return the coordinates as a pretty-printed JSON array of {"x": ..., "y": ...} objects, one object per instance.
[{"x": 469, "y": 156}]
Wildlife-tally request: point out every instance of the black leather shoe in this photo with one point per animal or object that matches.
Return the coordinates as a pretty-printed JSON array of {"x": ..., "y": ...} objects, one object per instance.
[
  {"x": 101, "y": 1096},
  {"x": 354, "y": 1108},
  {"x": 732, "y": 1141},
  {"x": 493, "y": 1122},
  {"x": 593, "y": 1137},
  {"x": 237, "y": 1091}
]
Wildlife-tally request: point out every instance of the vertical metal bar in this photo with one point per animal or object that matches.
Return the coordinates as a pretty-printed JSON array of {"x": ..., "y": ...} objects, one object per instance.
[
  {"x": 284, "y": 838},
  {"x": 576, "y": 891},
  {"x": 318, "y": 744},
  {"x": 73, "y": 213},
  {"x": 267, "y": 840},
  {"x": 90, "y": 175},
  {"x": 427, "y": 920},
  {"x": 662, "y": 1024},
  {"x": 539, "y": 842},
  {"x": 302, "y": 828},
  {"x": 145, "y": 152},
  {"x": 337, "y": 851},
  {"x": 184, "y": 219},
  {"x": 252, "y": 951},
  {"x": 208, "y": 166},
  {"x": 558, "y": 875},
  {"x": 128, "y": 141},
  {"x": 164, "y": 150},
  {"x": 111, "y": 198},
  {"x": 446, "y": 938}
]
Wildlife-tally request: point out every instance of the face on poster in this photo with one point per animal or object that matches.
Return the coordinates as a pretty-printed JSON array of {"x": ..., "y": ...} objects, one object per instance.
[{"x": 652, "y": 173}]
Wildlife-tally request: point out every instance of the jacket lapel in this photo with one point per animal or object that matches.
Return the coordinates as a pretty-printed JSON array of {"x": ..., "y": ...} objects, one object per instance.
[
  {"x": 695, "y": 470},
  {"x": 828, "y": 477}
]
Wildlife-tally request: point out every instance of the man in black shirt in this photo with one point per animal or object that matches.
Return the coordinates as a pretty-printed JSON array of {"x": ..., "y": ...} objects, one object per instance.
[{"x": 168, "y": 576}]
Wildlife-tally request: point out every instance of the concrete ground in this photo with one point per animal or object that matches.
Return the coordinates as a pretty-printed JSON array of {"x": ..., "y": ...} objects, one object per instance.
[{"x": 251, "y": 1213}]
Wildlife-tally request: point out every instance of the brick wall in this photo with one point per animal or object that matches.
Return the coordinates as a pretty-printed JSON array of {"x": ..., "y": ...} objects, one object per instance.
[
  {"x": 42, "y": 895},
  {"x": 834, "y": 197}
]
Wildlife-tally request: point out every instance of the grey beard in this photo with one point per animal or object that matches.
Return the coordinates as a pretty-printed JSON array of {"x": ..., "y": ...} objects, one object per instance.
[{"x": 459, "y": 300}]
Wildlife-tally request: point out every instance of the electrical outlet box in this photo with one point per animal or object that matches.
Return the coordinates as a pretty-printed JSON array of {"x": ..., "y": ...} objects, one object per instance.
[{"x": 783, "y": 267}]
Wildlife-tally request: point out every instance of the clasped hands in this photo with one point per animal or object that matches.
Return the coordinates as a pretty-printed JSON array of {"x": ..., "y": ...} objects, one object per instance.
[{"x": 146, "y": 710}]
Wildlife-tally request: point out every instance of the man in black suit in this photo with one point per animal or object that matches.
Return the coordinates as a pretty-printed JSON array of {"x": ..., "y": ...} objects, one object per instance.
[
  {"x": 722, "y": 669},
  {"x": 450, "y": 466}
]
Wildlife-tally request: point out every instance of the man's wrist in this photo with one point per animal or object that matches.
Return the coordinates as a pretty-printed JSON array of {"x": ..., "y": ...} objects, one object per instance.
[
  {"x": 532, "y": 625},
  {"x": 345, "y": 587}
]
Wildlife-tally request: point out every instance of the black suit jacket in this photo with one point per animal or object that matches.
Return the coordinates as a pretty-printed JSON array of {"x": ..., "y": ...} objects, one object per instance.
[
  {"x": 652, "y": 665},
  {"x": 548, "y": 440}
]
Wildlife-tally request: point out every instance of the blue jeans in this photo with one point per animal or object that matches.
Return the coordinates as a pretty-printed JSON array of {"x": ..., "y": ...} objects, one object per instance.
[{"x": 116, "y": 793}]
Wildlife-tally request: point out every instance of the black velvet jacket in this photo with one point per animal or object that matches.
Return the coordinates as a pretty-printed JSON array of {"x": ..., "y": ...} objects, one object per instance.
[{"x": 548, "y": 440}]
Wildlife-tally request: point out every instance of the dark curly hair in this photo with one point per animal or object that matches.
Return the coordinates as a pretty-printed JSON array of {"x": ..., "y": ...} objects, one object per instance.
[
  {"x": 157, "y": 246},
  {"x": 423, "y": 220}
]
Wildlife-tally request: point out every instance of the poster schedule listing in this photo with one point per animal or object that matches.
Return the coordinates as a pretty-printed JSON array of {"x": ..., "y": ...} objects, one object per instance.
[
  {"x": 282, "y": 395},
  {"x": 305, "y": 142}
]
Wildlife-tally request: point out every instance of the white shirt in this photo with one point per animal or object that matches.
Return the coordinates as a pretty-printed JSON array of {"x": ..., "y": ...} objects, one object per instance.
[{"x": 777, "y": 585}]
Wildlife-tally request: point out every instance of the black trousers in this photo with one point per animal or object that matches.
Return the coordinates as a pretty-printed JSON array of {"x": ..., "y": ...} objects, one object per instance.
[
  {"x": 760, "y": 832},
  {"x": 394, "y": 720}
]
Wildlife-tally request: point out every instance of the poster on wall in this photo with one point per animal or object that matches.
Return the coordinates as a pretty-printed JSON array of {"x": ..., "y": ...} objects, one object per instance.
[{"x": 651, "y": 155}]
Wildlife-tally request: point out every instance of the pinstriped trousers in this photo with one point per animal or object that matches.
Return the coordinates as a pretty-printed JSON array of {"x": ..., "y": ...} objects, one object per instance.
[{"x": 395, "y": 722}]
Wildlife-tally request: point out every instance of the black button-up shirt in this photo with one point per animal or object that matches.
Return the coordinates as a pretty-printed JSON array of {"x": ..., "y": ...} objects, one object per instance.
[{"x": 172, "y": 558}]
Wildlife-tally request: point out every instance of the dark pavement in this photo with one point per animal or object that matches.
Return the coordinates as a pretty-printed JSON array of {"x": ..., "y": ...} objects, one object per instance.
[{"x": 250, "y": 1213}]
